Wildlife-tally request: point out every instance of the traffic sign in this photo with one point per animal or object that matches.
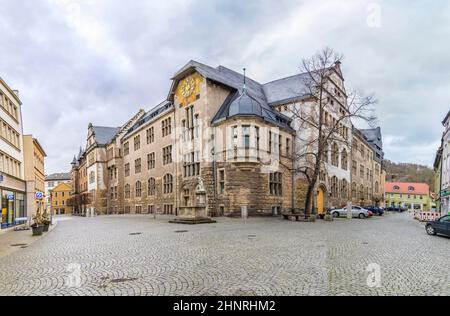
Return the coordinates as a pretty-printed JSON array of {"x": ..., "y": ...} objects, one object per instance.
[{"x": 39, "y": 195}]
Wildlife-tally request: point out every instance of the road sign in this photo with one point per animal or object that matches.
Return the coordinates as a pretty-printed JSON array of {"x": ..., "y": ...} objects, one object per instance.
[
  {"x": 11, "y": 197},
  {"x": 39, "y": 195}
]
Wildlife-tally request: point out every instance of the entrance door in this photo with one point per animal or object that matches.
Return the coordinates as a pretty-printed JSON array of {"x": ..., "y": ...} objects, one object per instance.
[{"x": 321, "y": 201}]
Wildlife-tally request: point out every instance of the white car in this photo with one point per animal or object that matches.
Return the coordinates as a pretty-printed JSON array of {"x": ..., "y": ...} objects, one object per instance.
[{"x": 357, "y": 212}]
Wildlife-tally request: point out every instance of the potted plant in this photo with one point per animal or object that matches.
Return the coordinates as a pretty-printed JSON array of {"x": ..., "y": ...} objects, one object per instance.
[
  {"x": 46, "y": 221},
  {"x": 37, "y": 227}
]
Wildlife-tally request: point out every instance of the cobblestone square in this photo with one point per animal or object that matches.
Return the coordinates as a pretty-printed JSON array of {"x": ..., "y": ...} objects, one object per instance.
[{"x": 137, "y": 255}]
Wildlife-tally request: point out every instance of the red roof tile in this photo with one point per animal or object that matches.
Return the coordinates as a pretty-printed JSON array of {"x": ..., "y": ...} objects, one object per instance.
[{"x": 405, "y": 188}]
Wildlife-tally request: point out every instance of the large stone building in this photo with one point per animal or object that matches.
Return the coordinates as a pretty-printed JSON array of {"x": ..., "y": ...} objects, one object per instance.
[
  {"x": 368, "y": 174},
  {"x": 12, "y": 184},
  {"x": 34, "y": 157},
  {"x": 218, "y": 128}
]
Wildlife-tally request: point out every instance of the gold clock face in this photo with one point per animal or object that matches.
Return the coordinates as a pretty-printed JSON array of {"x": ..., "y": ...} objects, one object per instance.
[{"x": 188, "y": 87}]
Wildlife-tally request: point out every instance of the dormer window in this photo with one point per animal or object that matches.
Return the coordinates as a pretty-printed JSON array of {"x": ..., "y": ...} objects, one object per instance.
[
  {"x": 411, "y": 189},
  {"x": 396, "y": 188}
]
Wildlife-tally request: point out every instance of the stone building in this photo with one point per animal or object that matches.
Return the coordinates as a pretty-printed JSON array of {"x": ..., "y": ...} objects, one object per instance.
[
  {"x": 368, "y": 174},
  {"x": 217, "y": 128},
  {"x": 34, "y": 157},
  {"x": 12, "y": 184}
]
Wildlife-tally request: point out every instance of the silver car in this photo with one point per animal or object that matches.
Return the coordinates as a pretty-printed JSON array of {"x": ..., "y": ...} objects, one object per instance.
[{"x": 357, "y": 212}]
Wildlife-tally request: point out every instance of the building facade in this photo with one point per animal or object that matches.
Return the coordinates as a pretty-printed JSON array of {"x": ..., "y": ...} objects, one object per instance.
[
  {"x": 12, "y": 184},
  {"x": 51, "y": 182},
  {"x": 445, "y": 176},
  {"x": 34, "y": 157},
  {"x": 438, "y": 179},
  {"x": 217, "y": 128},
  {"x": 60, "y": 196},
  {"x": 411, "y": 196}
]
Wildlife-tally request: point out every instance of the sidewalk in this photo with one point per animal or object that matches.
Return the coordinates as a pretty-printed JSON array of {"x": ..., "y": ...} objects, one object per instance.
[{"x": 12, "y": 241}]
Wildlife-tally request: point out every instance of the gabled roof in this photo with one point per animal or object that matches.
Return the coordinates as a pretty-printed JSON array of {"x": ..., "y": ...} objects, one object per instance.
[
  {"x": 235, "y": 82},
  {"x": 404, "y": 188},
  {"x": 103, "y": 135},
  {"x": 62, "y": 187},
  {"x": 287, "y": 90}
]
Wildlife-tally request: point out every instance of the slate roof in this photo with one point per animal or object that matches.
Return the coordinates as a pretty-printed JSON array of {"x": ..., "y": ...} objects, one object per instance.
[
  {"x": 375, "y": 138},
  {"x": 58, "y": 177},
  {"x": 286, "y": 90},
  {"x": 104, "y": 135},
  {"x": 150, "y": 116},
  {"x": 235, "y": 81}
]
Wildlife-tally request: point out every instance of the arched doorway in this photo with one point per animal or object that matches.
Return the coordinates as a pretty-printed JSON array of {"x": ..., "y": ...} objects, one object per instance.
[{"x": 321, "y": 194}]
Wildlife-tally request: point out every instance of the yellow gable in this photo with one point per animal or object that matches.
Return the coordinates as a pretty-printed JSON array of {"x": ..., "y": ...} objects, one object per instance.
[{"x": 188, "y": 89}]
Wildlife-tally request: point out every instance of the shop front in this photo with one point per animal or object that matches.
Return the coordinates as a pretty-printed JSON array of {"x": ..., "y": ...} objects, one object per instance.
[{"x": 13, "y": 207}]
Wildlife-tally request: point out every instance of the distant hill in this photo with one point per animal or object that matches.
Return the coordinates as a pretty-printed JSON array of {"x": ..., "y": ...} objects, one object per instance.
[{"x": 409, "y": 172}]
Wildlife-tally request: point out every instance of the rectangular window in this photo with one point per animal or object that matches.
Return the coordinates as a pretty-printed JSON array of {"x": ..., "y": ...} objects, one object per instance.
[
  {"x": 276, "y": 184},
  {"x": 151, "y": 161},
  {"x": 138, "y": 209},
  {"x": 246, "y": 136},
  {"x": 150, "y": 135},
  {"x": 361, "y": 171},
  {"x": 221, "y": 181},
  {"x": 191, "y": 166},
  {"x": 137, "y": 143},
  {"x": 151, "y": 209},
  {"x": 166, "y": 127},
  {"x": 288, "y": 147},
  {"x": 168, "y": 209},
  {"x": 167, "y": 155},
  {"x": 127, "y": 170},
  {"x": 137, "y": 166},
  {"x": 126, "y": 149}
]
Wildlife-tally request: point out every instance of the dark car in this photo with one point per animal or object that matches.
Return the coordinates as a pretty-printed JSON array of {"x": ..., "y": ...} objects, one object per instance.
[
  {"x": 396, "y": 209},
  {"x": 439, "y": 227},
  {"x": 376, "y": 210}
]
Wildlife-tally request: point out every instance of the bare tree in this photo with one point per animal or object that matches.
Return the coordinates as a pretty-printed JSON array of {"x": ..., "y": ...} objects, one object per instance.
[{"x": 324, "y": 117}]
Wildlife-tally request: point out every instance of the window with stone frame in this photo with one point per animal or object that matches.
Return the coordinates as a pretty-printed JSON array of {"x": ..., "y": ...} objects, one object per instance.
[
  {"x": 377, "y": 187},
  {"x": 325, "y": 153},
  {"x": 151, "y": 161},
  {"x": 138, "y": 209},
  {"x": 126, "y": 149},
  {"x": 166, "y": 127},
  {"x": 361, "y": 171},
  {"x": 344, "y": 189},
  {"x": 91, "y": 177},
  {"x": 127, "y": 191},
  {"x": 335, "y": 155},
  {"x": 354, "y": 193},
  {"x": 344, "y": 160},
  {"x": 334, "y": 187},
  {"x": 127, "y": 169},
  {"x": 137, "y": 166},
  {"x": 127, "y": 209},
  {"x": 167, "y": 155},
  {"x": 138, "y": 189},
  {"x": 288, "y": 147},
  {"x": 168, "y": 209},
  {"x": 246, "y": 136},
  {"x": 361, "y": 192},
  {"x": 276, "y": 184},
  {"x": 191, "y": 122},
  {"x": 151, "y": 209},
  {"x": 115, "y": 193},
  {"x": 151, "y": 187},
  {"x": 137, "y": 143},
  {"x": 168, "y": 184},
  {"x": 354, "y": 167},
  {"x": 191, "y": 165},
  {"x": 221, "y": 178},
  {"x": 150, "y": 135}
]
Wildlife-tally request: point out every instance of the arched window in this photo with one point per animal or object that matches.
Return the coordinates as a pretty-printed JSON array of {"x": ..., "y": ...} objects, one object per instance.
[
  {"x": 335, "y": 155},
  {"x": 325, "y": 153},
  {"x": 361, "y": 192},
  {"x": 377, "y": 187},
  {"x": 127, "y": 191},
  {"x": 334, "y": 187},
  {"x": 168, "y": 184},
  {"x": 151, "y": 187},
  {"x": 138, "y": 189},
  {"x": 344, "y": 160}
]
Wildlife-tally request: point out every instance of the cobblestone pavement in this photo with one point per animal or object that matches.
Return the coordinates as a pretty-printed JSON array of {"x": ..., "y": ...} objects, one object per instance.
[{"x": 257, "y": 257}]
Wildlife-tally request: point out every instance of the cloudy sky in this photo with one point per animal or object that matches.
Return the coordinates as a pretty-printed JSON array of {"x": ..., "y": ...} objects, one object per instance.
[{"x": 100, "y": 61}]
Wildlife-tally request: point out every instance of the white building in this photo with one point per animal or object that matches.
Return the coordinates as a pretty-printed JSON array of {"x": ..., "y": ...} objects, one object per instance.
[
  {"x": 12, "y": 184},
  {"x": 51, "y": 182},
  {"x": 445, "y": 189}
]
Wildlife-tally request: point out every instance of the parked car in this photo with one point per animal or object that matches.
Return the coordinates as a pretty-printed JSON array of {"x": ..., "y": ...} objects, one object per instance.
[
  {"x": 357, "y": 212},
  {"x": 396, "y": 209},
  {"x": 439, "y": 227},
  {"x": 376, "y": 210}
]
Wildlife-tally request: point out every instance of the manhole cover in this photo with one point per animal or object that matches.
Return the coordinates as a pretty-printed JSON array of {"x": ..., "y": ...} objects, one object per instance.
[
  {"x": 181, "y": 231},
  {"x": 123, "y": 280},
  {"x": 135, "y": 234},
  {"x": 19, "y": 245},
  {"x": 251, "y": 236}
]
